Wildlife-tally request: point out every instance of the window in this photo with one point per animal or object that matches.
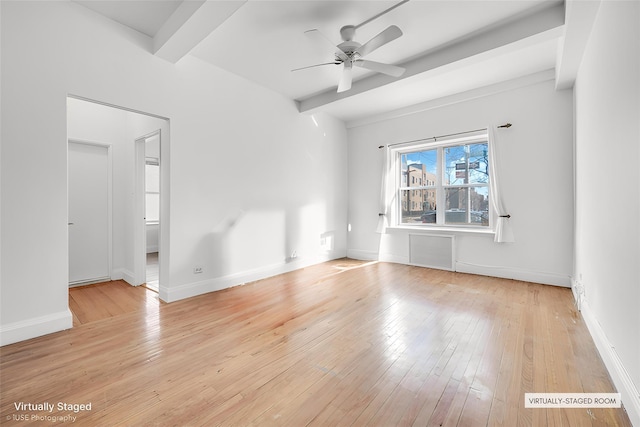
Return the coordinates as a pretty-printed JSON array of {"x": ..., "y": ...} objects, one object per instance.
[
  {"x": 443, "y": 183},
  {"x": 152, "y": 190}
]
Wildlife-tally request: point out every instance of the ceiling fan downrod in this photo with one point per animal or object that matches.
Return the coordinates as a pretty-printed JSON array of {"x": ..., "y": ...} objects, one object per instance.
[{"x": 355, "y": 27}]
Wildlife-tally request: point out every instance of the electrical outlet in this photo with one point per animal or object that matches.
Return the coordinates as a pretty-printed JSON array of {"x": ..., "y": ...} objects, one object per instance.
[
  {"x": 197, "y": 270},
  {"x": 292, "y": 257}
]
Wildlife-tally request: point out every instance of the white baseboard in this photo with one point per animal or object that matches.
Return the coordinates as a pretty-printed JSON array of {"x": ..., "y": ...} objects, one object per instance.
[
  {"x": 385, "y": 257},
  {"x": 90, "y": 281},
  {"x": 362, "y": 255},
  {"x": 619, "y": 375},
  {"x": 193, "y": 289},
  {"x": 123, "y": 274},
  {"x": 516, "y": 274},
  {"x": 577, "y": 289},
  {"x": 502, "y": 272},
  {"x": 35, "y": 327}
]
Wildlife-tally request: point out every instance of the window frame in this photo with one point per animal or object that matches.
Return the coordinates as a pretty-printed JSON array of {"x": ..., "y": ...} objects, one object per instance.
[{"x": 439, "y": 186}]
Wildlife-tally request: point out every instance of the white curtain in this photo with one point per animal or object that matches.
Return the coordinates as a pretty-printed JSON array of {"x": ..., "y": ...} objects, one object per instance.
[
  {"x": 387, "y": 190},
  {"x": 504, "y": 231}
]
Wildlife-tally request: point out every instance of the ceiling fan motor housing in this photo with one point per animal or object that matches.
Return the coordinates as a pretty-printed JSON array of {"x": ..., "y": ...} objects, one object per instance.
[
  {"x": 348, "y": 32},
  {"x": 350, "y": 47}
]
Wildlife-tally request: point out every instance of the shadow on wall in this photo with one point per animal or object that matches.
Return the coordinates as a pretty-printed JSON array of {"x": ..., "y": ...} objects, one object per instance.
[
  {"x": 218, "y": 243},
  {"x": 249, "y": 240}
]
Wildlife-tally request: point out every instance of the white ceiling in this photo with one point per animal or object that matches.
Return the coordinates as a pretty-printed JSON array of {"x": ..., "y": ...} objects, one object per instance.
[
  {"x": 145, "y": 16},
  {"x": 448, "y": 46}
]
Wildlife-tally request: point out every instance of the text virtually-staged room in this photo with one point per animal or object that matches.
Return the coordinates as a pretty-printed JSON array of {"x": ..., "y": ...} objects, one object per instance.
[{"x": 320, "y": 213}]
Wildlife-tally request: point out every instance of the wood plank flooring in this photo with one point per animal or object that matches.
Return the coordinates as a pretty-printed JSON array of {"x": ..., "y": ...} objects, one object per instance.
[
  {"x": 341, "y": 343},
  {"x": 152, "y": 272},
  {"x": 109, "y": 299}
]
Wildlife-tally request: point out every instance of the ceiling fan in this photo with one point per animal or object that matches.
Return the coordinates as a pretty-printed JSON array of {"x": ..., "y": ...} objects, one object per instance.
[{"x": 350, "y": 53}]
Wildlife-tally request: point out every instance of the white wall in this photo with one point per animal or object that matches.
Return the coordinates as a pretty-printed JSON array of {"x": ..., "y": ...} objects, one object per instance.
[
  {"x": 235, "y": 147},
  {"x": 537, "y": 181},
  {"x": 607, "y": 106}
]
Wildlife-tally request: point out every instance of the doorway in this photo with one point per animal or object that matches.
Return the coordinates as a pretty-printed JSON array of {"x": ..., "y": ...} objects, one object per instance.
[
  {"x": 117, "y": 130},
  {"x": 148, "y": 173}
]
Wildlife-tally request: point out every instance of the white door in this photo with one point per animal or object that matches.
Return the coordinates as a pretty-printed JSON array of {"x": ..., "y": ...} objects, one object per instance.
[{"x": 88, "y": 213}]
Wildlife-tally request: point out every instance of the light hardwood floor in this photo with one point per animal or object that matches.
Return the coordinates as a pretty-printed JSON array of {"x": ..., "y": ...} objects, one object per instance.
[
  {"x": 342, "y": 343},
  {"x": 110, "y": 299},
  {"x": 152, "y": 271}
]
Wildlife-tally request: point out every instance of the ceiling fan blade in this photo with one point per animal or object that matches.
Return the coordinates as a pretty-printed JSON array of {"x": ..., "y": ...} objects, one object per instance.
[
  {"x": 391, "y": 33},
  {"x": 346, "y": 78},
  {"x": 391, "y": 70},
  {"x": 317, "y": 65},
  {"x": 319, "y": 38}
]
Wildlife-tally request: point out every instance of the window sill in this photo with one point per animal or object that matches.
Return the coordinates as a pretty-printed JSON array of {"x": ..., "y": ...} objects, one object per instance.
[{"x": 442, "y": 229}]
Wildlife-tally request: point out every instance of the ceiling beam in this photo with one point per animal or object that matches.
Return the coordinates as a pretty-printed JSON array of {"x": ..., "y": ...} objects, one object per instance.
[
  {"x": 479, "y": 92},
  {"x": 479, "y": 46},
  {"x": 191, "y": 23},
  {"x": 580, "y": 16}
]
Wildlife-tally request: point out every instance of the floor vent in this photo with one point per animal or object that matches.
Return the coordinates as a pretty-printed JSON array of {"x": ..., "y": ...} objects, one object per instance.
[{"x": 431, "y": 251}]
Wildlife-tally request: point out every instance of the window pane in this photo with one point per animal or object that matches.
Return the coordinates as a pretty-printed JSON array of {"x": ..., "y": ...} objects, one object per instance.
[
  {"x": 152, "y": 178},
  {"x": 456, "y": 206},
  {"x": 478, "y": 163},
  {"x": 418, "y": 206},
  {"x": 458, "y": 201},
  {"x": 479, "y": 205},
  {"x": 152, "y": 208},
  {"x": 419, "y": 168},
  {"x": 466, "y": 164},
  {"x": 455, "y": 161}
]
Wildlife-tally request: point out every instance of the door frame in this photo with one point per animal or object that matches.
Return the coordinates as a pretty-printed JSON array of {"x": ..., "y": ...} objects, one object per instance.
[
  {"x": 165, "y": 181},
  {"x": 109, "y": 203},
  {"x": 139, "y": 223}
]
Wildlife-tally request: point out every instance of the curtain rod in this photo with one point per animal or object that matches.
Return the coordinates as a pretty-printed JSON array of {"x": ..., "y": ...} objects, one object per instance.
[{"x": 435, "y": 138}]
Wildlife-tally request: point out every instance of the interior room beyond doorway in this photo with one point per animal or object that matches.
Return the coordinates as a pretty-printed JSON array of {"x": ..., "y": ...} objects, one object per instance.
[{"x": 132, "y": 221}]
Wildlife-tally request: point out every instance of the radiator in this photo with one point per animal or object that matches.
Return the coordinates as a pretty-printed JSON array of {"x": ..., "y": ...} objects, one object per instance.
[{"x": 433, "y": 251}]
